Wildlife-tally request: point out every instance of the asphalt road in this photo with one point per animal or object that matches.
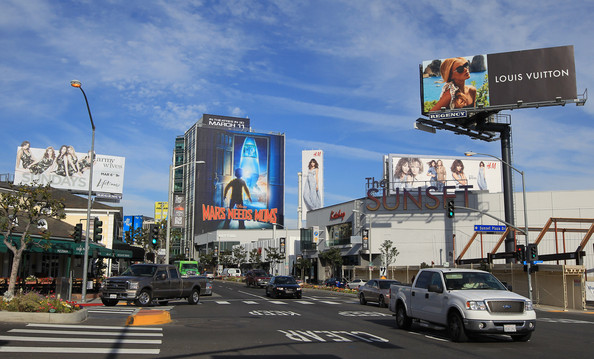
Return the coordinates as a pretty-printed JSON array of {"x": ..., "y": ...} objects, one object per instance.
[{"x": 242, "y": 322}]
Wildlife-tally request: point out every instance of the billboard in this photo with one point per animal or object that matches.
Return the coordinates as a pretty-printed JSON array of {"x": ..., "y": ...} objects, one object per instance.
[
  {"x": 312, "y": 169},
  {"x": 179, "y": 211},
  {"x": 241, "y": 183},
  {"x": 414, "y": 171},
  {"x": 499, "y": 80},
  {"x": 64, "y": 168},
  {"x": 161, "y": 209},
  {"x": 227, "y": 122}
]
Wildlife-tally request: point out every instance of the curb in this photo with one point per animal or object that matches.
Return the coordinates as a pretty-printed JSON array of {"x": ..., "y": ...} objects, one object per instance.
[
  {"x": 149, "y": 317},
  {"x": 52, "y": 318}
]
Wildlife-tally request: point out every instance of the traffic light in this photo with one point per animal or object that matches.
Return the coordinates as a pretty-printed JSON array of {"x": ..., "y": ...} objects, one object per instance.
[
  {"x": 77, "y": 235},
  {"x": 521, "y": 253},
  {"x": 532, "y": 252},
  {"x": 450, "y": 209},
  {"x": 155, "y": 237},
  {"x": 97, "y": 230}
]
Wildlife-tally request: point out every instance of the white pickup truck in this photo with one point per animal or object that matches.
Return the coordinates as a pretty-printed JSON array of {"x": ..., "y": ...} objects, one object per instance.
[{"x": 468, "y": 302}]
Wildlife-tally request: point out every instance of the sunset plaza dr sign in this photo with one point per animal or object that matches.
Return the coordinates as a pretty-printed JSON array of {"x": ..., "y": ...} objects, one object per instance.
[{"x": 489, "y": 228}]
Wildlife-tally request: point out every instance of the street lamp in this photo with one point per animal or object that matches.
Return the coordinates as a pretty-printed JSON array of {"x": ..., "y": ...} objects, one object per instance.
[
  {"x": 170, "y": 207},
  {"x": 528, "y": 264},
  {"x": 368, "y": 242},
  {"x": 76, "y": 83}
]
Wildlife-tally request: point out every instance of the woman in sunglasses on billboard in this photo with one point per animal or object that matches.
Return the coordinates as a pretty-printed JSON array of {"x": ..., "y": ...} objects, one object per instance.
[{"x": 455, "y": 93}]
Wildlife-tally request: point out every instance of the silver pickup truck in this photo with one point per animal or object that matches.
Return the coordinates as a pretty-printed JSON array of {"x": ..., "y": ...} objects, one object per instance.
[
  {"x": 144, "y": 283},
  {"x": 468, "y": 302}
]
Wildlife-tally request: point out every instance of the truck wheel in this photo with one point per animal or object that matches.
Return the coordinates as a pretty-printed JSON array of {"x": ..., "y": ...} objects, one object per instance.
[
  {"x": 362, "y": 299},
  {"x": 521, "y": 337},
  {"x": 402, "y": 320},
  {"x": 194, "y": 297},
  {"x": 456, "y": 328},
  {"x": 144, "y": 299},
  {"x": 109, "y": 302},
  {"x": 382, "y": 302}
]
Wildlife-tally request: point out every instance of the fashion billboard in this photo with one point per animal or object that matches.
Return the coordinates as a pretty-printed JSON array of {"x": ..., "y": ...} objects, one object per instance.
[
  {"x": 411, "y": 172},
  {"x": 67, "y": 169},
  {"x": 240, "y": 185},
  {"x": 498, "y": 80},
  {"x": 312, "y": 170}
]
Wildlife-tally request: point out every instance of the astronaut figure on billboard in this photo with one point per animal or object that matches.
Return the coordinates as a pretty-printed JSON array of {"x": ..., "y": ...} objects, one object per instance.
[
  {"x": 237, "y": 186},
  {"x": 311, "y": 192},
  {"x": 250, "y": 162}
]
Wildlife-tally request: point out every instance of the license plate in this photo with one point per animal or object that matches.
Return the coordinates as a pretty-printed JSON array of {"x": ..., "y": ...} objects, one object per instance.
[
  {"x": 509, "y": 328},
  {"x": 113, "y": 296},
  {"x": 290, "y": 290}
]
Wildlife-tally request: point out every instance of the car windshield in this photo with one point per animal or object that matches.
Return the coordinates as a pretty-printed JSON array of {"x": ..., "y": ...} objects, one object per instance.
[
  {"x": 385, "y": 284},
  {"x": 260, "y": 274},
  {"x": 472, "y": 280},
  {"x": 140, "y": 271},
  {"x": 285, "y": 280},
  {"x": 190, "y": 266}
]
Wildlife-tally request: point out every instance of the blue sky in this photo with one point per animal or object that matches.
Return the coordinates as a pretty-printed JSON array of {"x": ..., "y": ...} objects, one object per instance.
[{"x": 341, "y": 76}]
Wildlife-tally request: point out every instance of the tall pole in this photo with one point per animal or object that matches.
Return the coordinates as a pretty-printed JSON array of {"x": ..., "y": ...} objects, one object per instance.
[
  {"x": 527, "y": 240},
  {"x": 508, "y": 193},
  {"x": 169, "y": 213},
  {"x": 76, "y": 83}
]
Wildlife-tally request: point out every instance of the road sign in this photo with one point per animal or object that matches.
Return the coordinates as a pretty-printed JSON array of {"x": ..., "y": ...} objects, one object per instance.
[{"x": 489, "y": 228}]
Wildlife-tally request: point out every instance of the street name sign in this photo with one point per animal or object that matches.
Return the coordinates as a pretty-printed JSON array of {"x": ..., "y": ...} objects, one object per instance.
[{"x": 489, "y": 228}]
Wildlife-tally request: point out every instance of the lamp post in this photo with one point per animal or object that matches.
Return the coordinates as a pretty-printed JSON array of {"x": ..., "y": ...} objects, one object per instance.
[
  {"x": 528, "y": 264},
  {"x": 76, "y": 83},
  {"x": 286, "y": 239},
  {"x": 169, "y": 206},
  {"x": 368, "y": 242}
]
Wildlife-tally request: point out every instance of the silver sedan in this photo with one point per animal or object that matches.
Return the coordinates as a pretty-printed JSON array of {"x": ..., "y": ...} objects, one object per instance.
[{"x": 376, "y": 290}]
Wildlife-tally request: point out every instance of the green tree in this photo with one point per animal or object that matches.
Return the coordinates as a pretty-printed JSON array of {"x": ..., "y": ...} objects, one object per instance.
[
  {"x": 239, "y": 255},
  {"x": 389, "y": 252},
  {"x": 21, "y": 209},
  {"x": 332, "y": 258},
  {"x": 255, "y": 258},
  {"x": 302, "y": 264},
  {"x": 208, "y": 260},
  {"x": 273, "y": 256},
  {"x": 226, "y": 259}
]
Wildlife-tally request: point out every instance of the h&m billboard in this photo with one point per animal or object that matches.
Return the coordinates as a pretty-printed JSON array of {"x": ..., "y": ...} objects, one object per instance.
[
  {"x": 435, "y": 172},
  {"x": 241, "y": 183},
  {"x": 312, "y": 170},
  {"x": 64, "y": 168},
  {"x": 499, "y": 80}
]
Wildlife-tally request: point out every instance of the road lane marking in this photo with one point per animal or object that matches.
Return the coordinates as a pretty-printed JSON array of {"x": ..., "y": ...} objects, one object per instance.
[
  {"x": 277, "y": 302},
  {"x": 303, "y": 302},
  {"x": 222, "y": 302},
  {"x": 250, "y": 302},
  {"x": 80, "y": 340},
  {"x": 329, "y": 302},
  {"x": 78, "y": 332},
  {"x": 109, "y": 327},
  {"x": 85, "y": 350}
]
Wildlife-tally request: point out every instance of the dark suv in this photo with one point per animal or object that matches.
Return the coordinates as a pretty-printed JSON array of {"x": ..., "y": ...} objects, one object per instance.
[{"x": 257, "y": 278}]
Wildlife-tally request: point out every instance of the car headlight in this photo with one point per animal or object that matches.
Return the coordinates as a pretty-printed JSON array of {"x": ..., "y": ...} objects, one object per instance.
[
  {"x": 528, "y": 305},
  {"x": 475, "y": 305},
  {"x": 298, "y": 288},
  {"x": 132, "y": 285}
]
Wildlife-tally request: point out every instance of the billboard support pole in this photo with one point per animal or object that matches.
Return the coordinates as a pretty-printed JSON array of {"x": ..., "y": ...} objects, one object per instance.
[{"x": 508, "y": 194}]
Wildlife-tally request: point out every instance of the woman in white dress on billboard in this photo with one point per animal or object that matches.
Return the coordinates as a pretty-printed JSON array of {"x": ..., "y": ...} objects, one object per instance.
[{"x": 311, "y": 191}]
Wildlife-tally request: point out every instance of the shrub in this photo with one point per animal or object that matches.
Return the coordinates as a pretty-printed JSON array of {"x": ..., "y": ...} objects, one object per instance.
[{"x": 35, "y": 302}]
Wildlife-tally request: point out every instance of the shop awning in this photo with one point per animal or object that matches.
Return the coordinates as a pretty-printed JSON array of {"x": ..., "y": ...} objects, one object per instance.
[{"x": 58, "y": 246}]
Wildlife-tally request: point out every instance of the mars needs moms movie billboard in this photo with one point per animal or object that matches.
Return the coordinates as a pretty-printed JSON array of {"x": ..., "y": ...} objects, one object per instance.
[{"x": 498, "y": 80}]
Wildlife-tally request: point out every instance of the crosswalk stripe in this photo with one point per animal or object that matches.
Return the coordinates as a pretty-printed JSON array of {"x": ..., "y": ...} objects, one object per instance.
[
  {"x": 222, "y": 302},
  {"x": 86, "y": 350},
  {"x": 97, "y": 327},
  {"x": 80, "y": 340},
  {"x": 328, "y": 302},
  {"x": 303, "y": 302},
  {"x": 277, "y": 302},
  {"x": 250, "y": 302},
  {"x": 78, "y": 332}
]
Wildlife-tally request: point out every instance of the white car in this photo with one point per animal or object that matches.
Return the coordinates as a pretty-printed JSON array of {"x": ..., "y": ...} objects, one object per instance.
[{"x": 355, "y": 284}]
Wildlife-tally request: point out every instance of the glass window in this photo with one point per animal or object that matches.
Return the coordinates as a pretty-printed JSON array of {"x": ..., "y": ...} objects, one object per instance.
[{"x": 423, "y": 280}]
